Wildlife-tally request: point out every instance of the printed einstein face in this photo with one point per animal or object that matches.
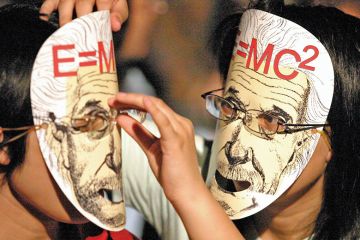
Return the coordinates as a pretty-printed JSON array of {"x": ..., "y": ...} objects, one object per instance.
[
  {"x": 245, "y": 157},
  {"x": 278, "y": 71},
  {"x": 88, "y": 144},
  {"x": 73, "y": 76},
  {"x": 249, "y": 160}
]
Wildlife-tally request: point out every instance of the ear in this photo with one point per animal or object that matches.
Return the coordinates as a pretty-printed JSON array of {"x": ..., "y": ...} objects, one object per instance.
[
  {"x": 325, "y": 138},
  {"x": 329, "y": 154},
  {"x": 4, "y": 156}
]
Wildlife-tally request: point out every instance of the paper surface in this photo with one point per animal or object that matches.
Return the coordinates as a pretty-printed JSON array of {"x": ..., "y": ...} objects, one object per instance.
[
  {"x": 277, "y": 68},
  {"x": 73, "y": 76}
]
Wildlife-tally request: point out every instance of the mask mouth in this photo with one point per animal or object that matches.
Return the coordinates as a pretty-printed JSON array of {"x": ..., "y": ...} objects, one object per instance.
[
  {"x": 230, "y": 185},
  {"x": 112, "y": 195}
]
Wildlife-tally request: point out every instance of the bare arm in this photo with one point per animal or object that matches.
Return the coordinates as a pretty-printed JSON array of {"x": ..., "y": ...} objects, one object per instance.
[{"x": 172, "y": 158}]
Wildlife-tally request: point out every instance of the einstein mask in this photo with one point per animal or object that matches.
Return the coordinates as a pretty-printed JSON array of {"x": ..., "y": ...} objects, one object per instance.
[
  {"x": 279, "y": 74},
  {"x": 73, "y": 76}
]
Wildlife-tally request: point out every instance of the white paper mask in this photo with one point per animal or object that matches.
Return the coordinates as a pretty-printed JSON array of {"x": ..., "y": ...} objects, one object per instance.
[
  {"x": 73, "y": 76},
  {"x": 281, "y": 69}
]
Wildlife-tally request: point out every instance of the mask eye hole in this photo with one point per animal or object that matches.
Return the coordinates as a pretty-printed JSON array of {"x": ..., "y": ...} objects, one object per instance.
[
  {"x": 89, "y": 123},
  {"x": 267, "y": 122}
]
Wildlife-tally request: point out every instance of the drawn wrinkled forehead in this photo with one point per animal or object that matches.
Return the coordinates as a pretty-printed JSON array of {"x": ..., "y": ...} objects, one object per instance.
[
  {"x": 282, "y": 60},
  {"x": 91, "y": 84},
  {"x": 85, "y": 42},
  {"x": 253, "y": 87},
  {"x": 90, "y": 80}
]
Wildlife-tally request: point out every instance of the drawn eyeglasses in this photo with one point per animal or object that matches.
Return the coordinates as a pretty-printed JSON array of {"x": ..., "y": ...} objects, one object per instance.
[
  {"x": 262, "y": 124},
  {"x": 89, "y": 123}
]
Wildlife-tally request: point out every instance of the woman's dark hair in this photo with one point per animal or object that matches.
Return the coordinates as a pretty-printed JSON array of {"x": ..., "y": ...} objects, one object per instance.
[
  {"x": 339, "y": 217},
  {"x": 22, "y": 34}
]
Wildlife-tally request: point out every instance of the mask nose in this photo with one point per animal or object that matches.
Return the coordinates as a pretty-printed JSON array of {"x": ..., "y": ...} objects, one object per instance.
[
  {"x": 235, "y": 151},
  {"x": 109, "y": 160}
]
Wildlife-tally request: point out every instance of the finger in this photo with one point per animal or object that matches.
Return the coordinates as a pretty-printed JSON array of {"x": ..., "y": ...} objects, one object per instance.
[
  {"x": 104, "y": 4},
  {"x": 124, "y": 101},
  {"x": 66, "y": 9},
  {"x": 84, "y": 7},
  {"x": 166, "y": 110},
  {"x": 186, "y": 124},
  {"x": 162, "y": 121},
  {"x": 138, "y": 132},
  {"x": 146, "y": 140},
  {"x": 117, "y": 102},
  {"x": 119, "y": 14},
  {"x": 47, "y": 8}
]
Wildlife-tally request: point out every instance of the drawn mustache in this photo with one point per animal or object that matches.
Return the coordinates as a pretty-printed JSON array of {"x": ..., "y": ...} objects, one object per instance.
[{"x": 247, "y": 156}]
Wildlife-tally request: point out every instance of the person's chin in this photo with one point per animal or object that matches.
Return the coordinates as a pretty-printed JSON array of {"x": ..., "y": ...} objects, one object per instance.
[
  {"x": 70, "y": 216},
  {"x": 77, "y": 220},
  {"x": 74, "y": 216}
]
